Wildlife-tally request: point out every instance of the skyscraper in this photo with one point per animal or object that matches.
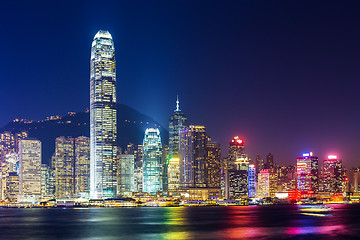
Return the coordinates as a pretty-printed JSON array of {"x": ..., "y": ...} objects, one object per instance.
[
  {"x": 177, "y": 123},
  {"x": 307, "y": 170},
  {"x": 82, "y": 166},
  {"x": 213, "y": 164},
  {"x": 333, "y": 174},
  {"x": 29, "y": 170},
  {"x": 125, "y": 173},
  {"x": 102, "y": 117},
  {"x": 64, "y": 167},
  {"x": 152, "y": 162},
  {"x": 252, "y": 181},
  {"x": 193, "y": 141}
]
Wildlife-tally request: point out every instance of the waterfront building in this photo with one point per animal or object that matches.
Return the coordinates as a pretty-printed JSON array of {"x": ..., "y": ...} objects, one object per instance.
[
  {"x": 29, "y": 170},
  {"x": 238, "y": 177},
  {"x": 263, "y": 184},
  {"x": 82, "y": 166},
  {"x": 125, "y": 174},
  {"x": 12, "y": 187},
  {"x": 152, "y": 162},
  {"x": 103, "y": 131},
  {"x": 64, "y": 167},
  {"x": 332, "y": 174},
  {"x": 177, "y": 123},
  {"x": 165, "y": 161},
  {"x": 47, "y": 187},
  {"x": 236, "y": 186},
  {"x": 193, "y": 142},
  {"x": 213, "y": 165},
  {"x": 137, "y": 151},
  {"x": 252, "y": 181},
  {"x": 12, "y": 160},
  {"x": 286, "y": 178},
  {"x": 307, "y": 170},
  {"x": 173, "y": 174}
]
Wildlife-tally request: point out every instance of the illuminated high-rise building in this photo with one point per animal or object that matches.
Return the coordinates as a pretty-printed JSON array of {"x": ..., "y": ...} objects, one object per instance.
[
  {"x": 64, "y": 167},
  {"x": 152, "y": 162},
  {"x": 263, "y": 190},
  {"x": 213, "y": 165},
  {"x": 332, "y": 174},
  {"x": 252, "y": 181},
  {"x": 125, "y": 174},
  {"x": 193, "y": 154},
  {"x": 82, "y": 166},
  {"x": 29, "y": 170},
  {"x": 103, "y": 131},
  {"x": 236, "y": 184},
  {"x": 269, "y": 161},
  {"x": 307, "y": 171},
  {"x": 177, "y": 123},
  {"x": 137, "y": 151},
  {"x": 173, "y": 174},
  {"x": 238, "y": 178},
  {"x": 12, "y": 187},
  {"x": 47, "y": 187}
]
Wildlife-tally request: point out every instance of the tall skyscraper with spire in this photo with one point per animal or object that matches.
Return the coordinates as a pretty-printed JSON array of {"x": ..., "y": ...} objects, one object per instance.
[
  {"x": 102, "y": 117},
  {"x": 177, "y": 123}
]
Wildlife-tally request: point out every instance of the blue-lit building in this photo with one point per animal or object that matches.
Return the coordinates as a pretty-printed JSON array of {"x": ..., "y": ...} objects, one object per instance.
[
  {"x": 251, "y": 181},
  {"x": 152, "y": 161}
]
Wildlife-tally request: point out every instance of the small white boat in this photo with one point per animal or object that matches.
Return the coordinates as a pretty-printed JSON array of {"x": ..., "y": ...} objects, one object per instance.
[{"x": 317, "y": 208}]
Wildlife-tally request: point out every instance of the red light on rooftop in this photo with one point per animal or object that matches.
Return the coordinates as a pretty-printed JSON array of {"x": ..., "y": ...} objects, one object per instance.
[
  {"x": 239, "y": 141},
  {"x": 346, "y": 179}
]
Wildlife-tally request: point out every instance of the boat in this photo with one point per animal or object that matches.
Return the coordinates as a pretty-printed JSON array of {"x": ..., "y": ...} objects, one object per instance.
[{"x": 316, "y": 208}]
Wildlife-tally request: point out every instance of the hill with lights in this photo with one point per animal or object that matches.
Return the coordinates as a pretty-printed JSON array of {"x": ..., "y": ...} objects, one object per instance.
[{"x": 131, "y": 126}]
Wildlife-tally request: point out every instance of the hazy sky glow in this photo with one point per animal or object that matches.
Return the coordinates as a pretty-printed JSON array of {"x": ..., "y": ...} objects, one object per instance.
[{"x": 284, "y": 75}]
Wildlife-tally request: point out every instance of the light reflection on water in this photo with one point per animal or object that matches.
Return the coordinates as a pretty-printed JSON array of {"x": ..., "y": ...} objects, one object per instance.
[{"x": 249, "y": 222}]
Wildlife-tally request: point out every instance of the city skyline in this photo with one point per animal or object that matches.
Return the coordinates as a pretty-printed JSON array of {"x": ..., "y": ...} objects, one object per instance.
[{"x": 273, "y": 73}]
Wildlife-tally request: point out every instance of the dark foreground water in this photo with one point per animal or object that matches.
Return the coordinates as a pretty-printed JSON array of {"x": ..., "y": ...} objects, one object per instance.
[{"x": 248, "y": 222}]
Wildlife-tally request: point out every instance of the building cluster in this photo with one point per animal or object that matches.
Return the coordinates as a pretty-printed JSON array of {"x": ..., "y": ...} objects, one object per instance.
[{"x": 191, "y": 166}]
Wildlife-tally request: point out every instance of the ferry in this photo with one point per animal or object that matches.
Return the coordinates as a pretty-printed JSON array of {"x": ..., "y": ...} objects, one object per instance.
[{"x": 316, "y": 208}]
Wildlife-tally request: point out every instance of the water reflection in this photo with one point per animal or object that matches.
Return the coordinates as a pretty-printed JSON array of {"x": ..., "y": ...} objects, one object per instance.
[{"x": 251, "y": 222}]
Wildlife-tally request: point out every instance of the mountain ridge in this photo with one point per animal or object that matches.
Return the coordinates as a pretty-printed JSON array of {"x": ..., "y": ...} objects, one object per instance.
[{"x": 131, "y": 126}]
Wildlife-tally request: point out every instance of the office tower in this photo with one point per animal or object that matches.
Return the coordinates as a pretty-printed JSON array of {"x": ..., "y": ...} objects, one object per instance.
[
  {"x": 237, "y": 170},
  {"x": 47, "y": 186},
  {"x": 165, "y": 161},
  {"x": 125, "y": 174},
  {"x": 259, "y": 164},
  {"x": 263, "y": 184},
  {"x": 238, "y": 178},
  {"x": 152, "y": 162},
  {"x": 29, "y": 170},
  {"x": 251, "y": 181},
  {"x": 177, "y": 123},
  {"x": 9, "y": 142},
  {"x": 307, "y": 170},
  {"x": 12, "y": 160},
  {"x": 193, "y": 141},
  {"x": 64, "y": 167},
  {"x": 12, "y": 187},
  {"x": 137, "y": 151},
  {"x": 332, "y": 174},
  {"x": 213, "y": 165},
  {"x": 102, "y": 117},
  {"x": 287, "y": 178},
  {"x": 269, "y": 161},
  {"x": 82, "y": 166},
  {"x": 173, "y": 174}
]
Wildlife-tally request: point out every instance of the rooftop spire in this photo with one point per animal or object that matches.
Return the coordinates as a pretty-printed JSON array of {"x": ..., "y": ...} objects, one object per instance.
[{"x": 177, "y": 103}]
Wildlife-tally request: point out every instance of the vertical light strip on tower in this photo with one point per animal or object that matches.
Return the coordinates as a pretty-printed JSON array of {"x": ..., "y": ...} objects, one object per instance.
[{"x": 102, "y": 117}]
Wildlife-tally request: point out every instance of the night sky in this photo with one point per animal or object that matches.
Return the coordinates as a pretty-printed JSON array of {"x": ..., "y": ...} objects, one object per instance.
[{"x": 283, "y": 75}]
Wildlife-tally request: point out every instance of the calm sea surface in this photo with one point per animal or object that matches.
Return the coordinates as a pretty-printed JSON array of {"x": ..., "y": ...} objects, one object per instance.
[{"x": 240, "y": 222}]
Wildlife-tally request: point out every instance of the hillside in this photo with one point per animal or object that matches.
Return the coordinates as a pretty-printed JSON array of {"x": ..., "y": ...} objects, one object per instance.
[{"x": 131, "y": 127}]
